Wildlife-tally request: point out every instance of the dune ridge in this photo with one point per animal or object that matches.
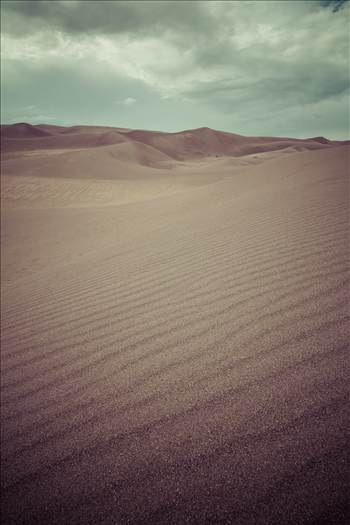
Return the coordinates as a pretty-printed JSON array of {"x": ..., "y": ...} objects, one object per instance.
[
  {"x": 174, "y": 328},
  {"x": 183, "y": 145}
]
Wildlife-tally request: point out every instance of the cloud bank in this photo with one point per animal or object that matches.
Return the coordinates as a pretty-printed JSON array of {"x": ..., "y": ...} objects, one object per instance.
[{"x": 252, "y": 67}]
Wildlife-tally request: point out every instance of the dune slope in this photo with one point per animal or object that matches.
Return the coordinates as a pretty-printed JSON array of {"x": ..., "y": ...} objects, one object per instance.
[{"x": 179, "y": 356}]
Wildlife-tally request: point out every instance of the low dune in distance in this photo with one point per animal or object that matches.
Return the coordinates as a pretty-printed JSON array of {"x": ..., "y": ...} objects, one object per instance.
[
  {"x": 174, "y": 340},
  {"x": 185, "y": 145}
]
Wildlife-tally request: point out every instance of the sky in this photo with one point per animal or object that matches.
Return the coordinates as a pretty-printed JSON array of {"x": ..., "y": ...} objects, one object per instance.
[{"x": 262, "y": 68}]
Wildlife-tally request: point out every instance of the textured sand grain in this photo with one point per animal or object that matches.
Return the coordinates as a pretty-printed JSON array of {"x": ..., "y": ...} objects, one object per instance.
[{"x": 174, "y": 339}]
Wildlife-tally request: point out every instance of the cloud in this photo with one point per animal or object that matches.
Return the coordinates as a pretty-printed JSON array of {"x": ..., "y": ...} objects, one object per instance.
[
  {"x": 128, "y": 101},
  {"x": 335, "y": 5},
  {"x": 238, "y": 62},
  {"x": 105, "y": 16},
  {"x": 29, "y": 114}
]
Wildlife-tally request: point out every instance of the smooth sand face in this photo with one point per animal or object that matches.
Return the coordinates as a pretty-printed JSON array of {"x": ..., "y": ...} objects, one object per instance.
[{"x": 174, "y": 334}]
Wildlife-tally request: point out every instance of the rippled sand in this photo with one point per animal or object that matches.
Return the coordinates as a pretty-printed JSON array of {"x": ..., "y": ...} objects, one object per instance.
[{"x": 175, "y": 338}]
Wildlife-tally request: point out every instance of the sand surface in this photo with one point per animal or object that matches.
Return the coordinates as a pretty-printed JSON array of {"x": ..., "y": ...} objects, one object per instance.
[{"x": 174, "y": 328}]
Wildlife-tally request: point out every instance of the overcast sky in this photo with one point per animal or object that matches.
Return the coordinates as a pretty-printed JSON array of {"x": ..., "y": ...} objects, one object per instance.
[{"x": 276, "y": 68}]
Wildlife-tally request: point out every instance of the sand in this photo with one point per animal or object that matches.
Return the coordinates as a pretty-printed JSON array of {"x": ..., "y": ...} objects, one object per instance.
[{"x": 174, "y": 328}]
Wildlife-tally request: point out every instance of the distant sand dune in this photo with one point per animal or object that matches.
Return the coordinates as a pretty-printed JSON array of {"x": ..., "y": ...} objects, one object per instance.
[
  {"x": 174, "y": 330},
  {"x": 189, "y": 144}
]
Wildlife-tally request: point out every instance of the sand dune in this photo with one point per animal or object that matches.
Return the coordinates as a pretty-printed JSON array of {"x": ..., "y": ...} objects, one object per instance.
[
  {"x": 185, "y": 145},
  {"x": 61, "y": 140},
  {"x": 174, "y": 330},
  {"x": 205, "y": 142}
]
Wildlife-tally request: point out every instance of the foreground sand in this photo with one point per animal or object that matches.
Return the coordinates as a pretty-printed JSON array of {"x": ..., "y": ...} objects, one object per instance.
[{"x": 174, "y": 341}]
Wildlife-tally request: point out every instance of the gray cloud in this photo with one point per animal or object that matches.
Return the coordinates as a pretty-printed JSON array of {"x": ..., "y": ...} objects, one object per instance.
[
  {"x": 134, "y": 16},
  {"x": 335, "y": 5},
  {"x": 232, "y": 65},
  {"x": 105, "y": 16}
]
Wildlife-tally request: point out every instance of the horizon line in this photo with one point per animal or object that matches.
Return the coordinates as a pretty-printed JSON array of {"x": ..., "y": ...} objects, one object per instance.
[{"x": 28, "y": 123}]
